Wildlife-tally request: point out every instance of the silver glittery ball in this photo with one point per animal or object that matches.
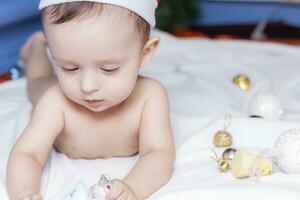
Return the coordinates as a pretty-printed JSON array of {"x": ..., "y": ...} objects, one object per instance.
[
  {"x": 286, "y": 151},
  {"x": 266, "y": 105}
]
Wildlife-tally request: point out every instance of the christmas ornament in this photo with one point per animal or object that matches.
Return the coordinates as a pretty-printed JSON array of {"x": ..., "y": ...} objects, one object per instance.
[
  {"x": 245, "y": 164},
  {"x": 228, "y": 154},
  {"x": 223, "y": 138},
  {"x": 223, "y": 165},
  {"x": 242, "y": 81},
  {"x": 267, "y": 106},
  {"x": 286, "y": 151}
]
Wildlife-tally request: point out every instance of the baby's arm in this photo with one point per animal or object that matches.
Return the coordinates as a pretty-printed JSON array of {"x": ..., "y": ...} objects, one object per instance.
[
  {"x": 157, "y": 153},
  {"x": 31, "y": 150}
]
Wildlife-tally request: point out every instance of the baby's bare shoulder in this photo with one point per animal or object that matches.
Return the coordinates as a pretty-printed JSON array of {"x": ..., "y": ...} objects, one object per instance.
[
  {"x": 149, "y": 87},
  {"x": 53, "y": 95}
]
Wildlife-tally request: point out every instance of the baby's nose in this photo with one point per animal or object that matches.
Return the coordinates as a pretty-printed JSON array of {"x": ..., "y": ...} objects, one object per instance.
[{"x": 89, "y": 83}]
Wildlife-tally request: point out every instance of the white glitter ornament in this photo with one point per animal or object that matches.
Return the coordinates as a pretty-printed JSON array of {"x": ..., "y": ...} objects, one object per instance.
[
  {"x": 267, "y": 106},
  {"x": 286, "y": 151}
]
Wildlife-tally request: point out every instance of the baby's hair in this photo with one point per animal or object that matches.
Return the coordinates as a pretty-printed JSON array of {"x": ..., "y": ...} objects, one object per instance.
[{"x": 65, "y": 12}]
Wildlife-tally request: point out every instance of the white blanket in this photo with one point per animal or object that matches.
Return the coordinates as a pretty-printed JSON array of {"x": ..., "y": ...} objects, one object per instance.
[
  {"x": 195, "y": 74},
  {"x": 198, "y": 74}
]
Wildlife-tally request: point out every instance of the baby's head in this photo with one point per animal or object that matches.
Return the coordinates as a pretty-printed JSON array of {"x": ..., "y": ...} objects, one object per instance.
[{"x": 97, "y": 50}]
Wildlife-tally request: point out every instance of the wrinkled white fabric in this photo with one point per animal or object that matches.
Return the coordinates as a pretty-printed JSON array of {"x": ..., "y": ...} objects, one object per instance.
[{"x": 198, "y": 77}]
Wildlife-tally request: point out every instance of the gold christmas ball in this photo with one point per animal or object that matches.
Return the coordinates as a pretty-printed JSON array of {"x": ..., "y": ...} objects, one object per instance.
[
  {"x": 222, "y": 139},
  {"x": 242, "y": 81},
  {"x": 228, "y": 154},
  {"x": 224, "y": 166}
]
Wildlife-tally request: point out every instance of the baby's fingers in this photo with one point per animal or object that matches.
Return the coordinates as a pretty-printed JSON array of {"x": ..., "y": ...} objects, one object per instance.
[
  {"x": 117, "y": 189},
  {"x": 124, "y": 195}
]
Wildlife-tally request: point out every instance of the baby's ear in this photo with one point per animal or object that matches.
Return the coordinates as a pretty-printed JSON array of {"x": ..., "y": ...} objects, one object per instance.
[{"x": 149, "y": 50}]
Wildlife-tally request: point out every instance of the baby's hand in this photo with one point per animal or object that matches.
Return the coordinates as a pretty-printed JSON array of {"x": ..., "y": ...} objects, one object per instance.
[{"x": 120, "y": 191}]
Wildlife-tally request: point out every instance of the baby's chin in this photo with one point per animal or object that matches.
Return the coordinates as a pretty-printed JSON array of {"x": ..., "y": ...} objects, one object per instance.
[{"x": 100, "y": 108}]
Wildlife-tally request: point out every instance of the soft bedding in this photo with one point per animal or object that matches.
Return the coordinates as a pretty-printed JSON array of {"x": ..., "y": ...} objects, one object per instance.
[{"x": 197, "y": 74}]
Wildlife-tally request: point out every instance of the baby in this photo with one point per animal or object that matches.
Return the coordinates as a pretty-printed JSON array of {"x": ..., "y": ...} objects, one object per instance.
[{"x": 97, "y": 106}]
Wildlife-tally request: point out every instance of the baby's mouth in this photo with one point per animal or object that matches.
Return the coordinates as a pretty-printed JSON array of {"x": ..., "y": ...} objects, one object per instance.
[{"x": 94, "y": 102}]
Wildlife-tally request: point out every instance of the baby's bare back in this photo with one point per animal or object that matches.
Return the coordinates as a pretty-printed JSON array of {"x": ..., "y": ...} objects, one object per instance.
[{"x": 112, "y": 133}]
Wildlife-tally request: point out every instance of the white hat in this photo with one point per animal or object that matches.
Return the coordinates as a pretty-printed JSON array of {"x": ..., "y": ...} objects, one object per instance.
[{"x": 143, "y": 8}]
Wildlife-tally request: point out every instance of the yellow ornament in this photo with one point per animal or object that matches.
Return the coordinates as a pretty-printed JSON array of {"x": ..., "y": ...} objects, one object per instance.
[
  {"x": 223, "y": 165},
  {"x": 245, "y": 164},
  {"x": 242, "y": 81},
  {"x": 222, "y": 139}
]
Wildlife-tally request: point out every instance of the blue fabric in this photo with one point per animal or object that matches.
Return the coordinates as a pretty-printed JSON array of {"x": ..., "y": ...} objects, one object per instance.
[
  {"x": 237, "y": 12},
  {"x": 12, "y": 11},
  {"x": 18, "y": 20}
]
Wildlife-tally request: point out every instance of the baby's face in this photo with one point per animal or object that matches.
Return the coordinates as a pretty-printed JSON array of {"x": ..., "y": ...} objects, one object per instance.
[{"x": 96, "y": 60}]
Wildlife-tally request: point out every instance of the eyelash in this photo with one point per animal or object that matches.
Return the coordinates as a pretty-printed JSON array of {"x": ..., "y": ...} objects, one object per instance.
[
  {"x": 105, "y": 70},
  {"x": 109, "y": 70},
  {"x": 70, "y": 69}
]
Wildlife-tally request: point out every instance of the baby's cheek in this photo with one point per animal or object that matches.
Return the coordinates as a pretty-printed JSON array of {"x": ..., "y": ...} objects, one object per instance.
[
  {"x": 123, "y": 89},
  {"x": 70, "y": 89}
]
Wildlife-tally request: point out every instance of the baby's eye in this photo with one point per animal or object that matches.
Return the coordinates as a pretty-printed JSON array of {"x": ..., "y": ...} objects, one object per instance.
[
  {"x": 109, "y": 70},
  {"x": 73, "y": 69}
]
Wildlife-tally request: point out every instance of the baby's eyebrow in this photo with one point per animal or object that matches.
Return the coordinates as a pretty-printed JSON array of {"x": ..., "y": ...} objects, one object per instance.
[
  {"x": 99, "y": 62},
  {"x": 61, "y": 59},
  {"x": 111, "y": 60}
]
